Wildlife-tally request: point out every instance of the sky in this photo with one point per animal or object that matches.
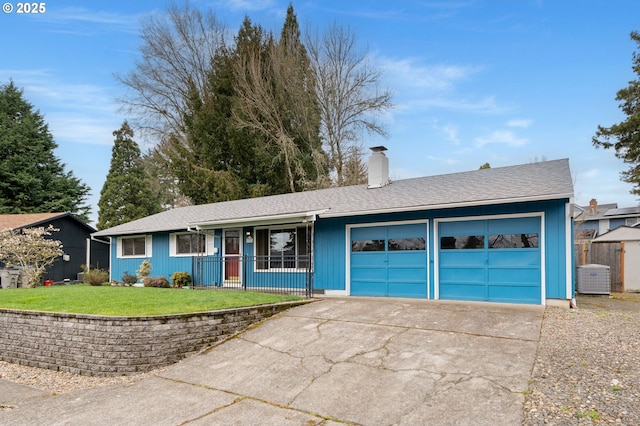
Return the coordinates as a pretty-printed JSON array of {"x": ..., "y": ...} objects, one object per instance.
[{"x": 502, "y": 82}]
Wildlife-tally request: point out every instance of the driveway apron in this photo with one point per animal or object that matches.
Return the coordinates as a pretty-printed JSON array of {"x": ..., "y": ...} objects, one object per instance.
[{"x": 369, "y": 361}]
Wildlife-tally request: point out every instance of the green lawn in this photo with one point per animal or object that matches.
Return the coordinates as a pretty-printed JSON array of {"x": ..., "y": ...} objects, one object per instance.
[{"x": 129, "y": 301}]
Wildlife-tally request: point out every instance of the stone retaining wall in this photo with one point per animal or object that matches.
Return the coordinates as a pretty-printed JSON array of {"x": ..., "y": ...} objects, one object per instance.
[{"x": 112, "y": 346}]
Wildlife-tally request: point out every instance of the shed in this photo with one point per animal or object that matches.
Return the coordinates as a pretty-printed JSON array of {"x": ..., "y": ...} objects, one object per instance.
[{"x": 629, "y": 239}]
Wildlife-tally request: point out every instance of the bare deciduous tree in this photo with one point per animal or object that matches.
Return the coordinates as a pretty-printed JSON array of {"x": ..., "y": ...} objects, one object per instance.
[
  {"x": 276, "y": 101},
  {"x": 177, "y": 50},
  {"x": 350, "y": 100}
]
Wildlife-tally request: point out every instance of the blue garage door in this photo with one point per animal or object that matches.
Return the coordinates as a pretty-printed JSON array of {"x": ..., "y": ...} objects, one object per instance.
[
  {"x": 389, "y": 261},
  {"x": 496, "y": 260}
]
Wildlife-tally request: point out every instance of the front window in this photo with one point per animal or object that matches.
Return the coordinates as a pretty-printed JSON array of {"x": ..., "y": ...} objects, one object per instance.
[
  {"x": 135, "y": 246},
  {"x": 190, "y": 243},
  {"x": 281, "y": 248}
]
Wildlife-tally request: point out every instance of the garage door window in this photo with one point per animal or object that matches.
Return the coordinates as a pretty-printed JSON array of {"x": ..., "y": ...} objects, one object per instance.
[
  {"x": 462, "y": 242},
  {"x": 367, "y": 245},
  {"x": 513, "y": 241},
  {"x": 402, "y": 244}
]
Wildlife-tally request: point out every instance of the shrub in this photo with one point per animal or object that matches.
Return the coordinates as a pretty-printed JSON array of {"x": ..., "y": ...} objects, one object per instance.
[
  {"x": 159, "y": 282},
  {"x": 128, "y": 279},
  {"x": 144, "y": 270},
  {"x": 180, "y": 279},
  {"x": 95, "y": 277}
]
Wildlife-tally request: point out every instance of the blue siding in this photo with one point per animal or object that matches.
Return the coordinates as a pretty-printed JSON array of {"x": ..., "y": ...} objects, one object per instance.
[
  {"x": 330, "y": 241},
  {"x": 331, "y": 247},
  {"x": 556, "y": 253},
  {"x": 616, "y": 223},
  {"x": 330, "y": 254},
  {"x": 162, "y": 264},
  {"x": 590, "y": 224}
]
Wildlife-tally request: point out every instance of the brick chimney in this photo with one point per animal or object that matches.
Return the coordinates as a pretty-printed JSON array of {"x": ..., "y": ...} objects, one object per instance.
[
  {"x": 378, "y": 167},
  {"x": 593, "y": 207}
]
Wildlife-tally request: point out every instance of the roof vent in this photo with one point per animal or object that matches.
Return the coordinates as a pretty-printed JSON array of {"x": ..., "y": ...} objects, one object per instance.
[{"x": 378, "y": 167}]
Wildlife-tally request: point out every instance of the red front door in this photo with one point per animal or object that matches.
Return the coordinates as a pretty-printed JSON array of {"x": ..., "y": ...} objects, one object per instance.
[{"x": 231, "y": 255}]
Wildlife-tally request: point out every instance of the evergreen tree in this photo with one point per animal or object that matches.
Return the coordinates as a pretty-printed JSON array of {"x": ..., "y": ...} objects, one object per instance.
[
  {"x": 216, "y": 160},
  {"x": 306, "y": 134},
  {"x": 126, "y": 194},
  {"x": 32, "y": 179},
  {"x": 624, "y": 137},
  {"x": 276, "y": 99},
  {"x": 261, "y": 171}
]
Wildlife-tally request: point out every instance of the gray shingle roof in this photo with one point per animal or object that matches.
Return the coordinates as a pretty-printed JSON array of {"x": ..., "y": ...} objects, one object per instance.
[{"x": 526, "y": 182}]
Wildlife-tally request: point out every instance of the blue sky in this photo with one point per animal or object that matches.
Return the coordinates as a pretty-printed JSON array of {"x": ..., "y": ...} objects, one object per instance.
[{"x": 499, "y": 81}]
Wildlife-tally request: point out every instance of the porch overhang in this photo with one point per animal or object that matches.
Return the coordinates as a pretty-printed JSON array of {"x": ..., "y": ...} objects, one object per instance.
[{"x": 280, "y": 219}]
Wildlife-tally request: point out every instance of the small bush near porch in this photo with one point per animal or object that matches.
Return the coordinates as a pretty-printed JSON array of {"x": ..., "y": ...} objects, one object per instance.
[{"x": 129, "y": 301}]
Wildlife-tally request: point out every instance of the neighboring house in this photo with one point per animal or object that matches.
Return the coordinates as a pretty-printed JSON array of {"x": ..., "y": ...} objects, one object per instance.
[
  {"x": 499, "y": 235},
  {"x": 75, "y": 236},
  {"x": 596, "y": 219},
  {"x": 629, "y": 248}
]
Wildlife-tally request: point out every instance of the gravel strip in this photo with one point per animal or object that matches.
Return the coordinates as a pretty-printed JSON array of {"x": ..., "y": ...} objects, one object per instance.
[
  {"x": 59, "y": 382},
  {"x": 587, "y": 367}
]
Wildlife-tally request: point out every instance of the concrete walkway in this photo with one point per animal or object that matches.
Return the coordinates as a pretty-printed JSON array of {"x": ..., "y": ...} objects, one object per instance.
[{"x": 337, "y": 361}]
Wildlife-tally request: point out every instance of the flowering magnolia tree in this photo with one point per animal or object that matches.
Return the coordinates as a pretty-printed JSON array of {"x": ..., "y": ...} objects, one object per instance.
[{"x": 30, "y": 250}]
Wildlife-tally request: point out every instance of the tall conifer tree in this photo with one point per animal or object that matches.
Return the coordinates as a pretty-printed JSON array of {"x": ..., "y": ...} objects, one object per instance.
[
  {"x": 126, "y": 195},
  {"x": 32, "y": 179},
  {"x": 624, "y": 137}
]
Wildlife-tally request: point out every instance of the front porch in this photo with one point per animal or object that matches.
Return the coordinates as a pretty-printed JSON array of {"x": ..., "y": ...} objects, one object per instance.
[{"x": 272, "y": 274}]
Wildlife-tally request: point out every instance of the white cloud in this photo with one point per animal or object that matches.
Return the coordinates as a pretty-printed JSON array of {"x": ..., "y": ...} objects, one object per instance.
[
  {"x": 449, "y": 130},
  {"x": 82, "y": 129},
  {"x": 486, "y": 105},
  {"x": 524, "y": 123},
  {"x": 247, "y": 4},
  {"x": 449, "y": 161},
  {"x": 407, "y": 74},
  {"x": 83, "y": 113},
  {"x": 590, "y": 174},
  {"x": 83, "y": 21},
  {"x": 505, "y": 137}
]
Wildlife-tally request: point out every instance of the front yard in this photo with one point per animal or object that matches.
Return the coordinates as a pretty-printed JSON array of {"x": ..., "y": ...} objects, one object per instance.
[{"x": 130, "y": 301}]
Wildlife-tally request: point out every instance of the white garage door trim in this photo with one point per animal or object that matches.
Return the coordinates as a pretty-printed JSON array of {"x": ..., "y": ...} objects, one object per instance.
[
  {"x": 370, "y": 224},
  {"x": 436, "y": 268}
]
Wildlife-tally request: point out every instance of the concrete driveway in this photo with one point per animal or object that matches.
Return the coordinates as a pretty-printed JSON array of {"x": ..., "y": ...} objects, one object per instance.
[{"x": 368, "y": 361}]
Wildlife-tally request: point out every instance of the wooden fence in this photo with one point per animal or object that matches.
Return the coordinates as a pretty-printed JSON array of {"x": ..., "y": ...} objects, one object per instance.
[{"x": 610, "y": 254}]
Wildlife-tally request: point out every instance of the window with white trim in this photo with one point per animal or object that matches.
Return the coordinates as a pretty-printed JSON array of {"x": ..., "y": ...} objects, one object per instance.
[
  {"x": 189, "y": 244},
  {"x": 138, "y": 246},
  {"x": 281, "y": 248}
]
